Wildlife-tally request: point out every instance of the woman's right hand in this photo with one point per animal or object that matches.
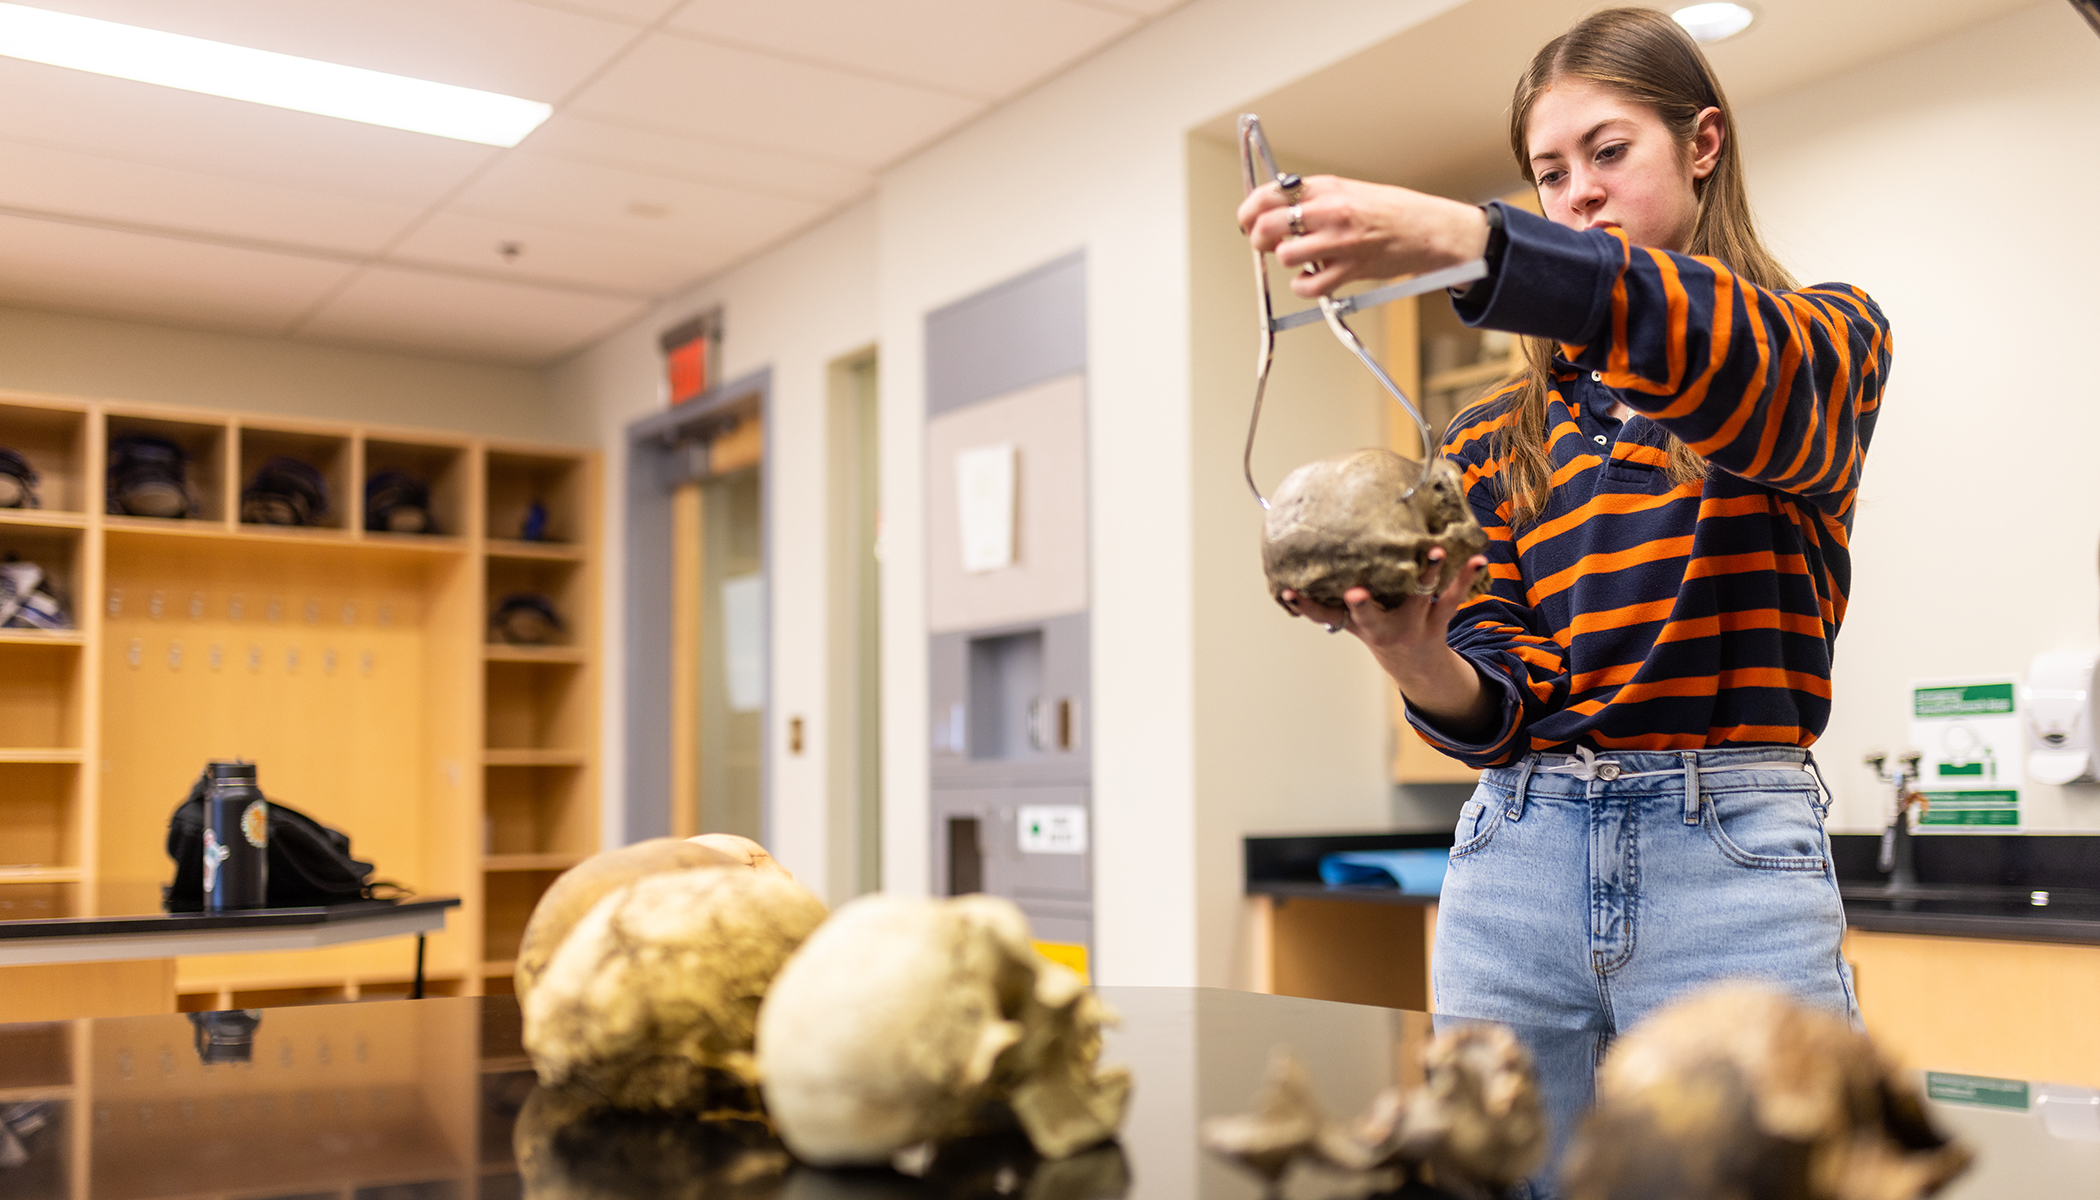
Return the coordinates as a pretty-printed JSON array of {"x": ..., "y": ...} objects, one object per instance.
[
  {"x": 1358, "y": 230},
  {"x": 1410, "y": 642}
]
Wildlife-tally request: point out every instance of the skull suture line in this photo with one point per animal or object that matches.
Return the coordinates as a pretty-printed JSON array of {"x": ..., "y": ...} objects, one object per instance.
[{"x": 1342, "y": 522}]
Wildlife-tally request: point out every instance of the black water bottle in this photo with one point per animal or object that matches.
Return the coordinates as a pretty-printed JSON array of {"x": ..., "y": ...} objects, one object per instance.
[{"x": 236, "y": 839}]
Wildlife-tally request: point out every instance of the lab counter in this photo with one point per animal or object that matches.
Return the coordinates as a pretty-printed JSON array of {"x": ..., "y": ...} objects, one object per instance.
[
  {"x": 435, "y": 1100},
  {"x": 1991, "y": 965}
]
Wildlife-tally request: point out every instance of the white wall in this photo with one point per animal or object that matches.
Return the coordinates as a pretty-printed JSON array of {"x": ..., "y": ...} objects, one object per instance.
[
  {"x": 1954, "y": 183},
  {"x": 795, "y": 310},
  {"x": 127, "y": 360}
]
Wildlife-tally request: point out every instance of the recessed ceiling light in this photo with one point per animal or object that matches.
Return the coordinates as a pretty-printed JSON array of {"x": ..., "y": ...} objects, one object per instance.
[
  {"x": 1713, "y": 22},
  {"x": 282, "y": 80}
]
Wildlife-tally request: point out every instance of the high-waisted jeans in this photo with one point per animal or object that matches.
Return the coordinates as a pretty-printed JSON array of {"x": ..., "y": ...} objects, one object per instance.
[{"x": 1586, "y": 891}]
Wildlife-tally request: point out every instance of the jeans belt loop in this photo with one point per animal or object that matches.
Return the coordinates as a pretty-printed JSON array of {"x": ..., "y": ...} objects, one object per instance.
[
  {"x": 1691, "y": 785},
  {"x": 1516, "y": 808}
]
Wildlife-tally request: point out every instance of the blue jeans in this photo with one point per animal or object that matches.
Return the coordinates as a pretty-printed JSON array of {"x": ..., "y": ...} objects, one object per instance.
[{"x": 1587, "y": 891}]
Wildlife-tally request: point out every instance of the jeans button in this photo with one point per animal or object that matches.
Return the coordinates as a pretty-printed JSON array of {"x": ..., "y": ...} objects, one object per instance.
[{"x": 1607, "y": 771}]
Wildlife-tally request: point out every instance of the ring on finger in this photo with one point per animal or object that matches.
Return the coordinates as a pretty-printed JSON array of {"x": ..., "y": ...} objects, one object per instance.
[
  {"x": 1334, "y": 628},
  {"x": 1297, "y": 215}
]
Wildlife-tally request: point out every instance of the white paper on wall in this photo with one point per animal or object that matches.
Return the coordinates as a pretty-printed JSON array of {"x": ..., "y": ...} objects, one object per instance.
[
  {"x": 985, "y": 479},
  {"x": 744, "y": 642}
]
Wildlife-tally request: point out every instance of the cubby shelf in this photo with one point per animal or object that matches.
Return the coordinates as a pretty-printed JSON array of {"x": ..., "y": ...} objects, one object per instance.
[
  {"x": 506, "y": 966},
  {"x": 42, "y": 637},
  {"x": 39, "y": 754},
  {"x": 352, "y": 664},
  {"x": 534, "y": 758},
  {"x": 498, "y": 652},
  {"x": 17, "y": 1095},
  {"x": 530, "y": 862},
  {"x": 38, "y": 518},
  {"x": 40, "y": 874},
  {"x": 542, "y": 551}
]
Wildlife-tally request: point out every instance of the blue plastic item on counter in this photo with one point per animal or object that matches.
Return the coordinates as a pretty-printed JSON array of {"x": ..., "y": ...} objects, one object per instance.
[{"x": 1415, "y": 872}]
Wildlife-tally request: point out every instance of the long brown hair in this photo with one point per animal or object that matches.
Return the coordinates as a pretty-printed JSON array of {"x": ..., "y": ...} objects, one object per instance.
[{"x": 1647, "y": 58}]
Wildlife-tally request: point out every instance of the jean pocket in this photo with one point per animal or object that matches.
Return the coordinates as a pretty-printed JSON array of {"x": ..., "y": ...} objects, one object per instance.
[
  {"x": 1767, "y": 830},
  {"x": 1478, "y": 821}
]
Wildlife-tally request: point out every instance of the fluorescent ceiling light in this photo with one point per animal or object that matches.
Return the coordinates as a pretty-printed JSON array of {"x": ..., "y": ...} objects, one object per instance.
[
  {"x": 283, "y": 80},
  {"x": 1713, "y": 22}
]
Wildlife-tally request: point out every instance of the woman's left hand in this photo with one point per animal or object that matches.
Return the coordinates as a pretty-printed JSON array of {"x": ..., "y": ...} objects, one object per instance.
[{"x": 1358, "y": 230}]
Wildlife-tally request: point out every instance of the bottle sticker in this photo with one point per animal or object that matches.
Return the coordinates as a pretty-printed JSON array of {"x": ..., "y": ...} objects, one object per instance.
[
  {"x": 255, "y": 824},
  {"x": 214, "y": 854}
]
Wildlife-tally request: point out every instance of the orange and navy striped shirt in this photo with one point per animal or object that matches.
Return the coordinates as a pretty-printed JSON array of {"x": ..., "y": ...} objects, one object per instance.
[{"x": 1631, "y": 613}]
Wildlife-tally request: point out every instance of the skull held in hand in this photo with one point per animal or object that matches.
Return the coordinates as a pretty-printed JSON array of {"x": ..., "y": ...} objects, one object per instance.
[
  {"x": 907, "y": 1020},
  {"x": 1340, "y": 523},
  {"x": 652, "y": 999},
  {"x": 1740, "y": 1091},
  {"x": 583, "y": 885}
]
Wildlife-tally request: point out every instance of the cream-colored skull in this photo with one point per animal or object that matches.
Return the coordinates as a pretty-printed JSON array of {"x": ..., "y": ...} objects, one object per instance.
[
  {"x": 1741, "y": 1091},
  {"x": 652, "y": 999},
  {"x": 1340, "y": 523},
  {"x": 903, "y": 1020},
  {"x": 583, "y": 885}
]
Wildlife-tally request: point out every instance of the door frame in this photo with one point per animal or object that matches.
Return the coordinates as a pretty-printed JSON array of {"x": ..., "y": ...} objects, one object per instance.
[{"x": 667, "y": 452}]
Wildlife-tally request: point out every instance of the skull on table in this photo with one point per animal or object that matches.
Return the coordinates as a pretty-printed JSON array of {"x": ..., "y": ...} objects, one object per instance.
[
  {"x": 906, "y": 1020},
  {"x": 1341, "y": 523},
  {"x": 1741, "y": 1091},
  {"x": 652, "y": 1000}
]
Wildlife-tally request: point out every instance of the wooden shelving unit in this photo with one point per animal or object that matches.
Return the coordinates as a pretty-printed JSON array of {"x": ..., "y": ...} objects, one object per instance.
[{"x": 354, "y": 667}]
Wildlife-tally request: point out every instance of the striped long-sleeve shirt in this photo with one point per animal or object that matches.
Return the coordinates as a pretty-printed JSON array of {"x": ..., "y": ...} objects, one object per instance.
[{"x": 1634, "y": 614}]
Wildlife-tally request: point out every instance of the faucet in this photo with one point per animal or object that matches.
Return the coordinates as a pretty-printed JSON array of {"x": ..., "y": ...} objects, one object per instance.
[{"x": 1896, "y": 860}]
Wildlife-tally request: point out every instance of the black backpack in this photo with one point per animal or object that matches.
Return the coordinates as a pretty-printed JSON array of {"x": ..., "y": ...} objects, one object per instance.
[{"x": 310, "y": 864}]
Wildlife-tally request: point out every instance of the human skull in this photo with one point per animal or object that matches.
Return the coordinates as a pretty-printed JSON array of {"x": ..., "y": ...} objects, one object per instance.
[
  {"x": 906, "y": 1020},
  {"x": 583, "y": 885},
  {"x": 1340, "y": 523},
  {"x": 652, "y": 999},
  {"x": 1475, "y": 1126},
  {"x": 1740, "y": 1091}
]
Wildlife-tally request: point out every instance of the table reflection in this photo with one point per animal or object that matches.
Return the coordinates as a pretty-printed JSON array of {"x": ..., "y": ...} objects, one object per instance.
[{"x": 435, "y": 1100}]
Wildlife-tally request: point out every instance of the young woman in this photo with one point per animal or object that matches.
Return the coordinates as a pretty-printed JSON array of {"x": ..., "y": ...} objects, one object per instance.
[{"x": 1669, "y": 493}]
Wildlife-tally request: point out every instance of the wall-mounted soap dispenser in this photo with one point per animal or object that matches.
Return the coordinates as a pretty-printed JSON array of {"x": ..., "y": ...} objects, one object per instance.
[{"x": 2060, "y": 716}]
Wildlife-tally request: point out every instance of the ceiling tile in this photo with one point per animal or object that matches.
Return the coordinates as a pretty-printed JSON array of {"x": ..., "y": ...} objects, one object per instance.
[
  {"x": 1142, "y": 8},
  {"x": 646, "y": 208},
  {"x": 554, "y": 255},
  {"x": 504, "y": 322},
  {"x": 701, "y": 159},
  {"x": 990, "y": 51},
  {"x": 52, "y": 106},
  {"x": 633, "y": 12},
  {"x": 497, "y": 45},
  {"x": 47, "y": 264},
  {"x": 677, "y": 84},
  {"x": 155, "y": 197}
]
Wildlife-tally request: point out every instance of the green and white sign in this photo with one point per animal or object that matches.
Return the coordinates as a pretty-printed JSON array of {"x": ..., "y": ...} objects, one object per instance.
[
  {"x": 1969, "y": 733},
  {"x": 1980, "y": 1090}
]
